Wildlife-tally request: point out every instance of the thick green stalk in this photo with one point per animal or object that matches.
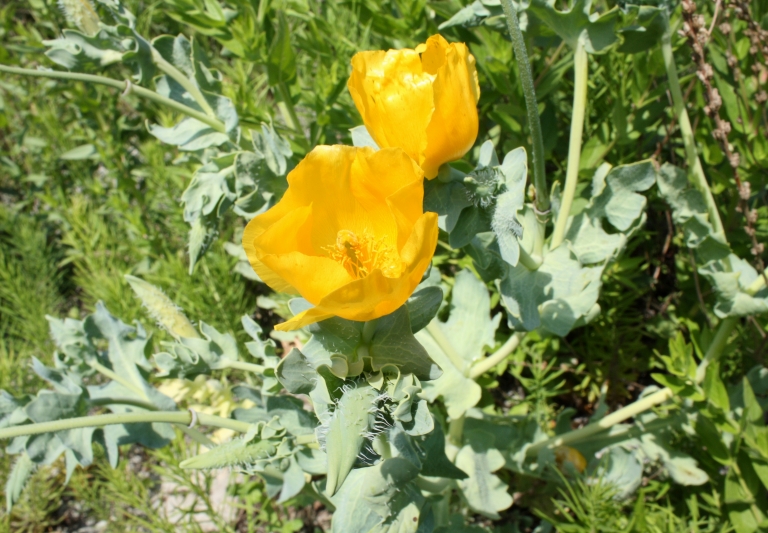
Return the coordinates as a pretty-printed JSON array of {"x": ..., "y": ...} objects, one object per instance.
[
  {"x": 170, "y": 417},
  {"x": 184, "y": 81},
  {"x": 442, "y": 341},
  {"x": 580, "y": 76},
  {"x": 122, "y": 85},
  {"x": 484, "y": 365},
  {"x": 696, "y": 171},
  {"x": 191, "y": 432},
  {"x": 529, "y": 261},
  {"x": 248, "y": 367},
  {"x": 529, "y": 90},
  {"x": 657, "y": 398},
  {"x": 456, "y": 431}
]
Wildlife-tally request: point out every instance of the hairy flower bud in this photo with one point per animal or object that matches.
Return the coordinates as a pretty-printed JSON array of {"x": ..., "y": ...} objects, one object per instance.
[{"x": 81, "y": 14}]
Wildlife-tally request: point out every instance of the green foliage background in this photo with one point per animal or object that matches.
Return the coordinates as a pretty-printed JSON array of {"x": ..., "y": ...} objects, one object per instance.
[{"x": 70, "y": 228}]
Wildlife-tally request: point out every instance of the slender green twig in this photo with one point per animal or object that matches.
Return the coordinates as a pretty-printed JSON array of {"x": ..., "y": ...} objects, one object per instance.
[
  {"x": 581, "y": 74},
  {"x": 484, "y": 365},
  {"x": 106, "y": 372},
  {"x": 184, "y": 81},
  {"x": 445, "y": 345},
  {"x": 191, "y": 432},
  {"x": 529, "y": 90},
  {"x": 657, "y": 398},
  {"x": 686, "y": 130},
  {"x": 248, "y": 367},
  {"x": 122, "y": 85},
  {"x": 170, "y": 417},
  {"x": 529, "y": 261},
  {"x": 306, "y": 439}
]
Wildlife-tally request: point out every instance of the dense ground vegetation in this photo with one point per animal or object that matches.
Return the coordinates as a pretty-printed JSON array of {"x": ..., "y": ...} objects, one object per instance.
[{"x": 87, "y": 195}]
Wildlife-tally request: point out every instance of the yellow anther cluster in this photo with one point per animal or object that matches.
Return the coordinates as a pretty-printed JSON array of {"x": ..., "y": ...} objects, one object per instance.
[{"x": 362, "y": 255}]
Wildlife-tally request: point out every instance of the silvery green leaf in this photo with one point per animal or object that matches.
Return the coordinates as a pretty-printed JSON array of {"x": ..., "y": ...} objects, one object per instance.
[
  {"x": 50, "y": 405},
  {"x": 202, "y": 233},
  {"x": 448, "y": 200},
  {"x": 470, "y": 328},
  {"x": 622, "y": 470},
  {"x": 44, "y": 448},
  {"x": 597, "y": 30},
  {"x": 434, "y": 461},
  {"x": 683, "y": 469},
  {"x": 556, "y": 296},
  {"x": 646, "y": 30},
  {"x": 458, "y": 392},
  {"x": 74, "y": 344},
  {"x": 189, "y": 134},
  {"x": 312, "y": 461},
  {"x": 12, "y": 412},
  {"x": 729, "y": 275},
  {"x": 259, "y": 348},
  {"x": 275, "y": 149},
  {"x": 17, "y": 479},
  {"x": 76, "y": 51},
  {"x": 127, "y": 354},
  {"x": 402, "y": 445},
  {"x": 618, "y": 200},
  {"x": 471, "y": 15},
  {"x": 483, "y": 491},
  {"x": 379, "y": 499},
  {"x": 292, "y": 415},
  {"x": 330, "y": 337},
  {"x": 64, "y": 382},
  {"x": 296, "y": 374},
  {"x": 361, "y": 138},
  {"x": 394, "y": 344},
  {"x": 85, "y": 151},
  {"x": 471, "y": 221},
  {"x": 423, "y": 306}
]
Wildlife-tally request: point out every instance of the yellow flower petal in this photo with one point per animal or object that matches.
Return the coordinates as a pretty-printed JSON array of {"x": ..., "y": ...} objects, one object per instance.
[
  {"x": 422, "y": 100},
  {"x": 349, "y": 235}
]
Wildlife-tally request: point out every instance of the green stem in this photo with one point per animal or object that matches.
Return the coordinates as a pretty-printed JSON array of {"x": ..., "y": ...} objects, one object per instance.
[
  {"x": 531, "y": 262},
  {"x": 369, "y": 328},
  {"x": 652, "y": 400},
  {"x": 170, "y": 417},
  {"x": 306, "y": 439},
  {"x": 100, "y": 402},
  {"x": 434, "y": 329},
  {"x": 529, "y": 90},
  {"x": 580, "y": 76},
  {"x": 484, "y": 365},
  {"x": 101, "y": 369},
  {"x": 435, "y": 487},
  {"x": 122, "y": 85},
  {"x": 694, "y": 164},
  {"x": 248, "y": 367},
  {"x": 456, "y": 431},
  {"x": 184, "y": 81},
  {"x": 385, "y": 449}
]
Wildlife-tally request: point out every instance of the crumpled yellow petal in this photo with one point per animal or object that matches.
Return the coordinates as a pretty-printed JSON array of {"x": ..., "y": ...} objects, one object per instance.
[{"x": 423, "y": 100}]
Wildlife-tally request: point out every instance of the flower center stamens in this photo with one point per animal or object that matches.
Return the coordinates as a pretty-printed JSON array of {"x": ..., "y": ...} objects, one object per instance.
[{"x": 361, "y": 255}]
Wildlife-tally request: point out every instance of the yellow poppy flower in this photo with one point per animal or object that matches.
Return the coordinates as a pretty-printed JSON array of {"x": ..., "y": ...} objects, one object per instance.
[
  {"x": 349, "y": 235},
  {"x": 423, "y": 101}
]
